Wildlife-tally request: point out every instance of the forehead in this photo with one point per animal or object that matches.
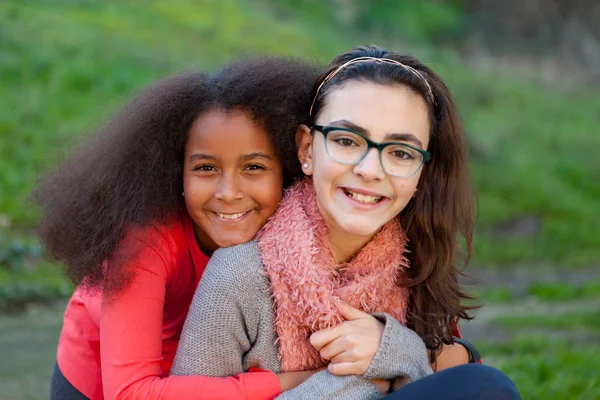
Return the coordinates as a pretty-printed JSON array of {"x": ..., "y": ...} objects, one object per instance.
[
  {"x": 227, "y": 130},
  {"x": 379, "y": 109}
]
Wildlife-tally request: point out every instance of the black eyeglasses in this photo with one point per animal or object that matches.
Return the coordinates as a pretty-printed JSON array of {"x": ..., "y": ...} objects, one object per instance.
[{"x": 349, "y": 147}]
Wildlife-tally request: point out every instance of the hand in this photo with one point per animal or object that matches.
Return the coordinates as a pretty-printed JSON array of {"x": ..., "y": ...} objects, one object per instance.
[
  {"x": 351, "y": 345},
  {"x": 383, "y": 385}
]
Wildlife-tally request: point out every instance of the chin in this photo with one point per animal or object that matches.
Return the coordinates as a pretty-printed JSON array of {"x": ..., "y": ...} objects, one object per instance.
[
  {"x": 359, "y": 228},
  {"x": 228, "y": 242}
]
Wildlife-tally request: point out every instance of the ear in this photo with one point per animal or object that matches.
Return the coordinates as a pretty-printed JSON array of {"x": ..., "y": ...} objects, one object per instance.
[{"x": 304, "y": 146}]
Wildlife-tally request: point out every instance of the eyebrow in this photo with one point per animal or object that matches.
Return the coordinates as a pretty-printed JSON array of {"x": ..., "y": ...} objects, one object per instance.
[
  {"x": 201, "y": 156},
  {"x": 245, "y": 157},
  {"x": 252, "y": 156},
  {"x": 403, "y": 137}
]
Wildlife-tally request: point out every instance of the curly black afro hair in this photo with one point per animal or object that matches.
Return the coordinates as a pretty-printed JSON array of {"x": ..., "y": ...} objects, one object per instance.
[{"x": 131, "y": 171}]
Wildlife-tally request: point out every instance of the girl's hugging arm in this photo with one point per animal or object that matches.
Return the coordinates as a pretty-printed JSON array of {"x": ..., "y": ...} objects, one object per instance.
[{"x": 131, "y": 343}]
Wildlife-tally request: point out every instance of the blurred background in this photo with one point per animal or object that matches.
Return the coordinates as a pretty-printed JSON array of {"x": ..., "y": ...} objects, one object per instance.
[{"x": 525, "y": 73}]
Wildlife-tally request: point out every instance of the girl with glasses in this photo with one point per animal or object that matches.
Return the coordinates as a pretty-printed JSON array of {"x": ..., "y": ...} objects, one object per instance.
[{"x": 357, "y": 271}]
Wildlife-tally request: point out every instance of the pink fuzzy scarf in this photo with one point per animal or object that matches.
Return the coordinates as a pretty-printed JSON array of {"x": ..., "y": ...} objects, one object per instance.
[{"x": 308, "y": 284}]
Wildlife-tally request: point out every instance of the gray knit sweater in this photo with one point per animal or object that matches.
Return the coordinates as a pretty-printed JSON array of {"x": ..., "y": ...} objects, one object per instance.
[{"x": 229, "y": 328}]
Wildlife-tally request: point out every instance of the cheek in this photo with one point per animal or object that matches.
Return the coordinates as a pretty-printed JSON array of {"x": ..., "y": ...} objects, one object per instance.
[
  {"x": 326, "y": 170},
  {"x": 405, "y": 191},
  {"x": 269, "y": 194},
  {"x": 190, "y": 183},
  {"x": 196, "y": 193}
]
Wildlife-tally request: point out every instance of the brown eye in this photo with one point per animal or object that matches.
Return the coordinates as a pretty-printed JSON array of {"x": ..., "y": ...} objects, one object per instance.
[
  {"x": 345, "y": 142},
  {"x": 255, "y": 167},
  {"x": 205, "y": 168},
  {"x": 402, "y": 155}
]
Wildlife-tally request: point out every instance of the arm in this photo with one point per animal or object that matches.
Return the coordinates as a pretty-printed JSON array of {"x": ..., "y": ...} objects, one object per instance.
[
  {"x": 450, "y": 356},
  {"x": 131, "y": 345},
  {"x": 458, "y": 353}
]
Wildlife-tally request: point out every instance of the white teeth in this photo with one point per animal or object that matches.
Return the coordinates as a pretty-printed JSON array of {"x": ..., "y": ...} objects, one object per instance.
[
  {"x": 231, "y": 216},
  {"x": 363, "y": 198}
]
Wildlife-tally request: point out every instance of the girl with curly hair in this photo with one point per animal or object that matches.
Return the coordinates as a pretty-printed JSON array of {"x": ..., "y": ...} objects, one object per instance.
[{"x": 194, "y": 163}]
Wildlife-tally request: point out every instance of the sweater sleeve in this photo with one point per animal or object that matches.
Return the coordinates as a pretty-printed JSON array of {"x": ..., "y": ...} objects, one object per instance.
[
  {"x": 402, "y": 355},
  {"x": 131, "y": 346}
]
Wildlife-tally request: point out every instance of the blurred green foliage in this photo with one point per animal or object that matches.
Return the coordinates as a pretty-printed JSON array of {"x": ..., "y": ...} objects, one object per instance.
[
  {"x": 565, "y": 292},
  {"x": 66, "y": 65},
  {"x": 541, "y": 292},
  {"x": 579, "y": 321},
  {"x": 417, "y": 22}
]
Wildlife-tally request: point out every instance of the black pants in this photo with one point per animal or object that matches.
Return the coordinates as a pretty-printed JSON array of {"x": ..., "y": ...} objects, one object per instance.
[
  {"x": 465, "y": 382},
  {"x": 61, "y": 388}
]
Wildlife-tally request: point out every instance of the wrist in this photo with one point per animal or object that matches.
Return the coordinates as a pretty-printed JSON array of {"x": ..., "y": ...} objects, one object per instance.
[{"x": 289, "y": 380}]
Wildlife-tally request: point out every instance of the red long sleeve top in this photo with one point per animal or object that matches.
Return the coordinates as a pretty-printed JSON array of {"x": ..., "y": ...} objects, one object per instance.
[{"x": 124, "y": 348}]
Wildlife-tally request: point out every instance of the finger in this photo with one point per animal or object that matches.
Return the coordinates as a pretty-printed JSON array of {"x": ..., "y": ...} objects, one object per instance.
[
  {"x": 350, "y": 313},
  {"x": 326, "y": 336},
  {"x": 332, "y": 349},
  {"x": 349, "y": 356},
  {"x": 345, "y": 368}
]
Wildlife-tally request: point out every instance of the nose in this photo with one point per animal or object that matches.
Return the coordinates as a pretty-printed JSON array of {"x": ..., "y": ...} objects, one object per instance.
[
  {"x": 229, "y": 189},
  {"x": 370, "y": 168}
]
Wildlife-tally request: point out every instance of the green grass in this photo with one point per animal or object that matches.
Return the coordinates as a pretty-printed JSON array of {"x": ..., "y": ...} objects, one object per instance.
[
  {"x": 542, "y": 292},
  {"x": 495, "y": 295},
  {"x": 547, "y": 355},
  {"x": 562, "y": 292},
  {"x": 39, "y": 284},
  {"x": 28, "y": 344},
  {"x": 545, "y": 368},
  {"x": 552, "y": 355},
  {"x": 580, "y": 321},
  {"x": 66, "y": 65}
]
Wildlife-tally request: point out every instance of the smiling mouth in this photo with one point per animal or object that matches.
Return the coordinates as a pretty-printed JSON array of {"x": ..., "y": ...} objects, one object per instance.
[
  {"x": 231, "y": 217},
  {"x": 362, "y": 198}
]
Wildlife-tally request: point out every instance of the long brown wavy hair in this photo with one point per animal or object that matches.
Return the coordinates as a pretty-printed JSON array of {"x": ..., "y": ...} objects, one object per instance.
[{"x": 439, "y": 220}]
